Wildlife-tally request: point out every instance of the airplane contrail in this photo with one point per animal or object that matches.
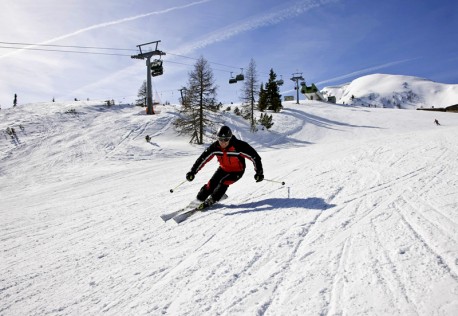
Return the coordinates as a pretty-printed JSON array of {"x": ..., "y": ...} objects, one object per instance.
[
  {"x": 132, "y": 18},
  {"x": 101, "y": 25},
  {"x": 271, "y": 18}
]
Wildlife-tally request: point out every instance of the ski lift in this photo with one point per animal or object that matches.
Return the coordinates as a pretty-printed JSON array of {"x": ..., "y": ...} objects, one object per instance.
[
  {"x": 280, "y": 82},
  {"x": 232, "y": 79},
  {"x": 240, "y": 76},
  {"x": 303, "y": 84},
  {"x": 156, "y": 68}
]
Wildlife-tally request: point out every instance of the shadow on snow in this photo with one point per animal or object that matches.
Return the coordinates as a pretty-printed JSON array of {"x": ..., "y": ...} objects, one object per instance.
[
  {"x": 312, "y": 203},
  {"x": 321, "y": 121}
]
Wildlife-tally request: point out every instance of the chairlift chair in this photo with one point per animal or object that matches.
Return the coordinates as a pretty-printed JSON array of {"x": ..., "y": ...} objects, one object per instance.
[
  {"x": 156, "y": 64},
  {"x": 232, "y": 79},
  {"x": 156, "y": 68},
  {"x": 240, "y": 76},
  {"x": 157, "y": 73}
]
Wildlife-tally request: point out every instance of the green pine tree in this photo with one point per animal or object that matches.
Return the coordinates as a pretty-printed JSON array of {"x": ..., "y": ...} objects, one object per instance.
[
  {"x": 273, "y": 93},
  {"x": 262, "y": 102},
  {"x": 266, "y": 120},
  {"x": 269, "y": 97}
]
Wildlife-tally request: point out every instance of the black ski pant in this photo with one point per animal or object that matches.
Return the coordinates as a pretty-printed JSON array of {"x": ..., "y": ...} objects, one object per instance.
[{"x": 218, "y": 184}]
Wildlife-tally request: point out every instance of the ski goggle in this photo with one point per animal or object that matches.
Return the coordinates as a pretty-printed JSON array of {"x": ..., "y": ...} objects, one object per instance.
[{"x": 224, "y": 139}]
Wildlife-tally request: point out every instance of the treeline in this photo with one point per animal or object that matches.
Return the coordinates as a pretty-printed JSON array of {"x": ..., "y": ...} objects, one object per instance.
[{"x": 199, "y": 99}]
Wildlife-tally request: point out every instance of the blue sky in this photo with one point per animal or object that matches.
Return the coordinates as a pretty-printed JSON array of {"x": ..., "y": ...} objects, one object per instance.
[{"x": 329, "y": 41}]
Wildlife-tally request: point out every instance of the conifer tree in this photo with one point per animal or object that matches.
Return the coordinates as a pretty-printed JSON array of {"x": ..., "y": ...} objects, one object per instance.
[
  {"x": 200, "y": 98},
  {"x": 250, "y": 92},
  {"x": 141, "y": 101},
  {"x": 273, "y": 94},
  {"x": 262, "y": 103},
  {"x": 269, "y": 97},
  {"x": 266, "y": 120}
]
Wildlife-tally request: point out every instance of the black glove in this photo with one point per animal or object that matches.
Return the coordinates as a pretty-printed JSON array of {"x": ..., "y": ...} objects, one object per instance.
[
  {"x": 190, "y": 176},
  {"x": 259, "y": 177}
]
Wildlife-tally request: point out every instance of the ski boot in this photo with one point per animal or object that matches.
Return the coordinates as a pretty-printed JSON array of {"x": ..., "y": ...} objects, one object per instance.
[{"x": 208, "y": 202}]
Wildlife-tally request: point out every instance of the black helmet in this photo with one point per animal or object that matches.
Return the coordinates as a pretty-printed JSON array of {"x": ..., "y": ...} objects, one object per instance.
[{"x": 224, "y": 132}]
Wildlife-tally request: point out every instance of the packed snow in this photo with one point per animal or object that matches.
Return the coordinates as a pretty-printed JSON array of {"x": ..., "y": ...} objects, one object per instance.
[{"x": 366, "y": 223}]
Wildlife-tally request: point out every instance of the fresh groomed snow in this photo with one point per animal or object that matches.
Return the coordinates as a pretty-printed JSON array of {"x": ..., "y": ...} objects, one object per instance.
[{"x": 366, "y": 223}]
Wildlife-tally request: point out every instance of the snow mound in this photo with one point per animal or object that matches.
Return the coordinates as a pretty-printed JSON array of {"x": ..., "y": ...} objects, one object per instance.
[{"x": 394, "y": 91}]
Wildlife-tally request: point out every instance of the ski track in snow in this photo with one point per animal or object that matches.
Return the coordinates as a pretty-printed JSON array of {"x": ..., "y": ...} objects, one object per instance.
[{"x": 364, "y": 225}]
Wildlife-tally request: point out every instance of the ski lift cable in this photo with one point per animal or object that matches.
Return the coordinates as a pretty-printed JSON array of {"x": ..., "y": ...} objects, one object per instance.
[
  {"x": 211, "y": 62},
  {"x": 97, "y": 47},
  {"x": 100, "y": 53},
  {"x": 68, "y": 46},
  {"x": 63, "y": 51},
  {"x": 190, "y": 65}
]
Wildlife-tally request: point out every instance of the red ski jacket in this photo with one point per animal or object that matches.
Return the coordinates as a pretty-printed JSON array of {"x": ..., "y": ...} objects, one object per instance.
[{"x": 231, "y": 158}]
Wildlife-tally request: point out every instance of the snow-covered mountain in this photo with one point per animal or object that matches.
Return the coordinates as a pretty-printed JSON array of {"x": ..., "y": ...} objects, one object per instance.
[
  {"x": 394, "y": 91},
  {"x": 365, "y": 225}
]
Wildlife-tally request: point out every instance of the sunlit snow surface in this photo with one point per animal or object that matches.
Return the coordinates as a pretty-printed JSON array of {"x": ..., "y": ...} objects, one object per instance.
[{"x": 365, "y": 225}]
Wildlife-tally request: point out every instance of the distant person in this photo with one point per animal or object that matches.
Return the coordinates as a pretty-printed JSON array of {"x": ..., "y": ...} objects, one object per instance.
[
  {"x": 437, "y": 122},
  {"x": 231, "y": 153},
  {"x": 15, "y": 100}
]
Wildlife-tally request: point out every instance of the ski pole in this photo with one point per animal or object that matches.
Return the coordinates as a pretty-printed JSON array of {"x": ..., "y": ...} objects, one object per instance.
[
  {"x": 282, "y": 182},
  {"x": 171, "y": 190}
]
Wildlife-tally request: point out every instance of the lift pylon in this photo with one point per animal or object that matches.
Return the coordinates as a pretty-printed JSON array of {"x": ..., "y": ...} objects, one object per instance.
[{"x": 155, "y": 68}]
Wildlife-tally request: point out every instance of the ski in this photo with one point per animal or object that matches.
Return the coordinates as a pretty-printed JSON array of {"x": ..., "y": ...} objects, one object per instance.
[
  {"x": 168, "y": 216},
  {"x": 185, "y": 212},
  {"x": 184, "y": 216}
]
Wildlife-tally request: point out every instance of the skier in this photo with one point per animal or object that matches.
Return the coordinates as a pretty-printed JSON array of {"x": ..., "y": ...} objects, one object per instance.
[
  {"x": 231, "y": 153},
  {"x": 437, "y": 122}
]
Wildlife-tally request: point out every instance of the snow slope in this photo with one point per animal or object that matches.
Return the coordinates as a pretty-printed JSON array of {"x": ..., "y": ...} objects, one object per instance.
[
  {"x": 365, "y": 225},
  {"x": 395, "y": 91}
]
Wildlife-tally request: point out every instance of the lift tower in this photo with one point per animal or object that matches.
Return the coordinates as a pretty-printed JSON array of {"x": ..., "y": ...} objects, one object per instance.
[
  {"x": 296, "y": 77},
  {"x": 155, "y": 68}
]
